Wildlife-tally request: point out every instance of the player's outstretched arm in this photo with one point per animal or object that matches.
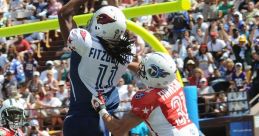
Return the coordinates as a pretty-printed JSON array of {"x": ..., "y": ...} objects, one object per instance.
[
  {"x": 133, "y": 66},
  {"x": 65, "y": 17},
  {"x": 118, "y": 127}
]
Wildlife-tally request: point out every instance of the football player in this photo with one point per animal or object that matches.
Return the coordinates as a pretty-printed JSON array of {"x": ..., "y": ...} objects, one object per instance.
[
  {"x": 101, "y": 53},
  {"x": 161, "y": 105},
  {"x": 12, "y": 118}
]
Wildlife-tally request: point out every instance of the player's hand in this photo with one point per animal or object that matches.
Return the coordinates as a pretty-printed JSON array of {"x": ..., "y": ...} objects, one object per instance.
[{"x": 99, "y": 105}]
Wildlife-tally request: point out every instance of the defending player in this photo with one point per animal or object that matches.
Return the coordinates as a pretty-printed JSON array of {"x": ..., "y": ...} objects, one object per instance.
[
  {"x": 100, "y": 55},
  {"x": 12, "y": 118},
  {"x": 161, "y": 106}
]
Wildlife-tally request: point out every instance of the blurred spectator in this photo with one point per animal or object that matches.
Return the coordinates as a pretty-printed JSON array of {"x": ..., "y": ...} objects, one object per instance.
[
  {"x": 159, "y": 20},
  {"x": 15, "y": 94},
  {"x": 121, "y": 83},
  {"x": 196, "y": 76},
  {"x": 190, "y": 56},
  {"x": 210, "y": 9},
  {"x": 205, "y": 89},
  {"x": 127, "y": 3},
  {"x": 50, "y": 66},
  {"x": 2, "y": 78},
  {"x": 4, "y": 5},
  {"x": 17, "y": 67},
  {"x": 145, "y": 21},
  {"x": 140, "y": 45},
  {"x": 187, "y": 39},
  {"x": 53, "y": 7},
  {"x": 225, "y": 6},
  {"x": 35, "y": 85},
  {"x": 242, "y": 51},
  {"x": 16, "y": 6},
  {"x": 238, "y": 78},
  {"x": 26, "y": 95},
  {"x": 238, "y": 20},
  {"x": 125, "y": 99},
  {"x": 29, "y": 65},
  {"x": 113, "y": 2},
  {"x": 229, "y": 69},
  {"x": 251, "y": 11},
  {"x": 11, "y": 51},
  {"x": 254, "y": 37},
  {"x": 50, "y": 102},
  {"x": 221, "y": 106},
  {"x": 29, "y": 7},
  {"x": 235, "y": 35},
  {"x": 3, "y": 23},
  {"x": 180, "y": 22},
  {"x": 180, "y": 49},
  {"x": 216, "y": 46},
  {"x": 8, "y": 82},
  {"x": 35, "y": 38},
  {"x": 128, "y": 77},
  {"x": 200, "y": 24},
  {"x": 3, "y": 58},
  {"x": 90, "y": 6},
  {"x": 63, "y": 70},
  {"x": 41, "y": 9},
  {"x": 205, "y": 60},
  {"x": 245, "y": 30},
  {"x": 34, "y": 129},
  {"x": 216, "y": 75},
  {"x": 189, "y": 69},
  {"x": 51, "y": 84},
  {"x": 206, "y": 93},
  {"x": 200, "y": 36},
  {"x": 243, "y": 6},
  {"x": 178, "y": 61},
  {"x": 222, "y": 68},
  {"x": 22, "y": 44},
  {"x": 61, "y": 94}
]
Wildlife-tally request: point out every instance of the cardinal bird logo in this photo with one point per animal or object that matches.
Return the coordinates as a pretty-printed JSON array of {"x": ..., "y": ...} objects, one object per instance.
[
  {"x": 156, "y": 72},
  {"x": 104, "y": 19}
]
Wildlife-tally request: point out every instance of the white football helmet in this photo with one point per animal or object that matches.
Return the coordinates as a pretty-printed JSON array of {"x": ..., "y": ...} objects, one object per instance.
[
  {"x": 108, "y": 23},
  {"x": 12, "y": 114},
  {"x": 157, "y": 70}
]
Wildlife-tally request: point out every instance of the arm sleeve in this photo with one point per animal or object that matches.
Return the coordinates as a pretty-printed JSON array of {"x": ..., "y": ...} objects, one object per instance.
[{"x": 79, "y": 40}]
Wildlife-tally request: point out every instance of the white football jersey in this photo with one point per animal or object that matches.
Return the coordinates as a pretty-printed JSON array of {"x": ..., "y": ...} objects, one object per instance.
[{"x": 96, "y": 69}]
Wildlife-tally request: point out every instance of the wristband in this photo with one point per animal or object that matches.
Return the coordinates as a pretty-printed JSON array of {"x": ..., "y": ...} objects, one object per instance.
[
  {"x": 102, "y": 112},
  {"x": 102, "y": 106}
]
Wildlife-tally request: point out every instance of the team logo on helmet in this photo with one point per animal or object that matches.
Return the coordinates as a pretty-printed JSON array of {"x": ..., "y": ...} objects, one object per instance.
[
  {"x": 139, "y": 95},
  {"x": 156, "y": 72},
  {"x": 104, "y": 19}
]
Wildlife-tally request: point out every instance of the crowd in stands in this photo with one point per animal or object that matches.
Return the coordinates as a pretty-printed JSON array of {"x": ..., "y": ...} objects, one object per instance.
[{"x": 215, "y": 46}]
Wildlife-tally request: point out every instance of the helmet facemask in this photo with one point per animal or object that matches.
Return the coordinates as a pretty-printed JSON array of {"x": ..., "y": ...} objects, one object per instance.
[
  {"x": 13, "y": 117},
  {"x": 142, "y": 71},
  {"x": 157, "y": 70}
]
